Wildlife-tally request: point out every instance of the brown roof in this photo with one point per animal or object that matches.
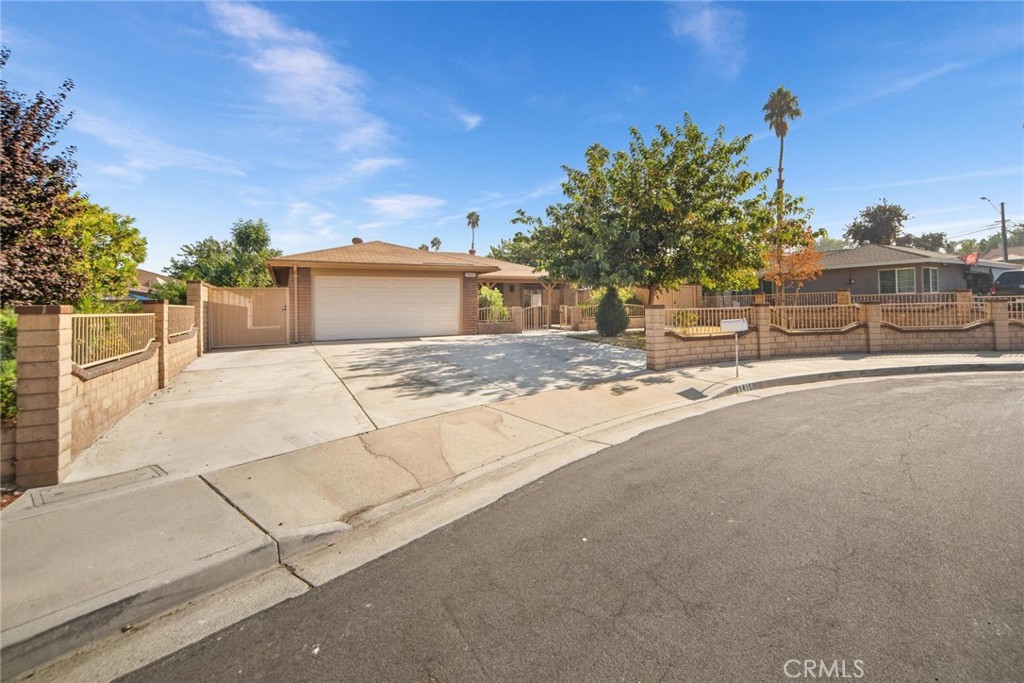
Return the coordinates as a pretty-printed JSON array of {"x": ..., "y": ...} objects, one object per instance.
[
  {"x": 147, "y": 278},
  {"x": 377, "y": 254},
  {"x": 1016, "y": 254},
  {"x": 506, "y": 271},
  {"x": 868, "y": 255}
]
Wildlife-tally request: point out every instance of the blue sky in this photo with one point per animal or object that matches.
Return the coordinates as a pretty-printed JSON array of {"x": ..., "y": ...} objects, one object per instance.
[{"x": 392, "y": 120}]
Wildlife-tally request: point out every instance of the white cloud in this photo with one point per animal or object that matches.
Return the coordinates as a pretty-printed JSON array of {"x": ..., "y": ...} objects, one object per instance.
[
  {"x": 144, "y": 152},
  {"x": 302, "y": 76},
  {"x": 404, "y": 207},
  {"x": 375, "y": 164},
  {"x": 719, "y": 33},
  {"x": 470, "y": 121}
]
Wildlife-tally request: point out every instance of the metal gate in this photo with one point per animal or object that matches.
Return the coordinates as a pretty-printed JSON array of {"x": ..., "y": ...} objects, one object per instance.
[
  {"x": 256, "y": 316},
  {"x": 537, "y": 318}
]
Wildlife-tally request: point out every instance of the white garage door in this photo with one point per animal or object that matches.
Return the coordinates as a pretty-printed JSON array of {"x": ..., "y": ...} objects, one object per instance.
[{"x": 381, "y": 307}]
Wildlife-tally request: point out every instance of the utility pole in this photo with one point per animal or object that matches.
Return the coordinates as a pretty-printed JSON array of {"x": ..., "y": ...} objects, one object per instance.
[
  {"x": 1002, "y": 218},
  {"x": 1002, "y": 221}
]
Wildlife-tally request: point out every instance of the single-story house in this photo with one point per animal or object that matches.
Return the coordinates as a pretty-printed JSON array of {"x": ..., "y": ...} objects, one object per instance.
[
  {"x": 520, "y": 285},
  {"x": 145, "y": 280},
  {"x": 889, "y": 269},
  {"x": 1016, "y": 255},
  {"x": 376, "y": 290}
]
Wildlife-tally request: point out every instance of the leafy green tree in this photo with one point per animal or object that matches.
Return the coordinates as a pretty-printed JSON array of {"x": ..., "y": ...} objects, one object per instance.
[
  {"x": 38, "y": 262},
  {"x": 929, "y": 241},
  {"x": 174, "y": 291},
  {"x": 519, "y": 249},
  {"x": 435, "y": 243},
  {"x": 238, "y": 262},
  {"x": 826, "y": 243},
  {"x": 878, "y": 224},
  {"x": 968, "y": 246},
  {"x": 111, "y": 246},
  {"x": 489, "y": 297},
  {"x": 473, "y": 221},
  {"x": 423, "y": 247},
  {"x": 683, "y": 207},
  {"x": 611, "y": 316}
]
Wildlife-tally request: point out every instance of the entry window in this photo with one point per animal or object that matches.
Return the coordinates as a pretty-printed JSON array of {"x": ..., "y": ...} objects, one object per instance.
[
  {"x": 931, "y": 279},
  {"x": 896, "y": 281}
]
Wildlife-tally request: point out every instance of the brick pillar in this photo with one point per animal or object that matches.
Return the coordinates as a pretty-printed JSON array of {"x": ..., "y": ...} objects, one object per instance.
[
  {"x": 657, "y": 342},
  {"x": 45, "y": 395},
  {"x": 304, "y": 284},
  {"x": 159, "y": 311},
  {"x": 470, "y": 305},
  {"x": 759, "y": 298},
  {"x": 999, "y": 314},
  {"x": 197, "y": 299},
  {"x": 843, "y": 297},
  {"x": 763, "y": 323},
  {"x": 964, "y": 296},
  {"x": 517, "y": 318},
  {"x": 871, "y": 314}
]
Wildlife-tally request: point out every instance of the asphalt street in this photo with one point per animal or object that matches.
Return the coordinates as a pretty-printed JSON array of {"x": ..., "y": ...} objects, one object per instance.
[{"x": 877, "y": 527}]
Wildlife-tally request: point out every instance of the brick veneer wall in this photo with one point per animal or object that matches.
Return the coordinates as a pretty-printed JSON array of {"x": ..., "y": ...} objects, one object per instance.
[
  {"x": 683, "y": 351},
  {"x": 180, "y": 351},
  {"x": 975, "y": 339},
  {"x": 304, "y": 304},
  {"x": 470, "y": 320}
]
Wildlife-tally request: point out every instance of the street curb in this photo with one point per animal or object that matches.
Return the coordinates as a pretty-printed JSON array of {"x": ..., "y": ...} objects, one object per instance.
[
  {"x": 867, "y": 372},
  {"x": 25, "y": 649}
]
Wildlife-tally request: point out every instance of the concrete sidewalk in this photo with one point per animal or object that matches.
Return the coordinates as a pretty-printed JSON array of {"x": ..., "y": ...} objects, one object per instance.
[{"x": 85, "y": 560}]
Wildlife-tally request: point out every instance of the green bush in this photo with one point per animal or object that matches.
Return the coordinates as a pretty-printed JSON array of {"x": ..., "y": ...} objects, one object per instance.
[
  {"x": 8, "y": 334},
  {"x": 8, "y": 389},
  {"x": 611, "y": 317},
  {"x": 176, "y": 293},
  {"x": 490, "y": 298}
]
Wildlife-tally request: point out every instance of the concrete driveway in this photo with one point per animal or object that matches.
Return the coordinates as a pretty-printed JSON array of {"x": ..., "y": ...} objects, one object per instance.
[{"x": 231, "y": 407}]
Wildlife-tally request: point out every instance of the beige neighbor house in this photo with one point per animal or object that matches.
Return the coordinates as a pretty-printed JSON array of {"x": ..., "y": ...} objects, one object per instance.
[
  {"x": 520, "y": 285},
  {"x": 376, "y": 290},
  {"x": 889, "y": 269}
]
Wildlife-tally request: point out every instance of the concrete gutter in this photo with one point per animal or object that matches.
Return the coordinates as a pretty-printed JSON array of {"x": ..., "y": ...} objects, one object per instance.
[{"x": 116, "y": 553}]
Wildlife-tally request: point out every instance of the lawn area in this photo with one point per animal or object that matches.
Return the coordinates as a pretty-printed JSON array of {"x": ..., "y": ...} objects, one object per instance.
[{"x": 629, "y": 340}]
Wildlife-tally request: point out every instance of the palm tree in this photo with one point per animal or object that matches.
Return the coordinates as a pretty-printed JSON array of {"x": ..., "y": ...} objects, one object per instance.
[
  {"x": 473, "y": 221},
  {"x": 436, "y": 243},
  {"x": 781, "y": 107}
]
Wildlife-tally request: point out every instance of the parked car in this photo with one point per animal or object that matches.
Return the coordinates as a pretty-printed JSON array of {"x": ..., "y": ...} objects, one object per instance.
[{"x": 1008, "y": 284}]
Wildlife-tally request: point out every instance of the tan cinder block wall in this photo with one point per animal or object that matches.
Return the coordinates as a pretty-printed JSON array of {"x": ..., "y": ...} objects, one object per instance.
[
  {"x": 7, "y": 445},
  {"x": 827, "y": 344},
  {"x": 974, "y": 339},
  {"x": 470, "y": 318},
  {"x": 45, "y": 395},
  {"x": 1015, "y": 337},
  {"x": 100, "y": 402},
  {"x": 179, "y": 353},
  {"x": 704, "y": 350}
]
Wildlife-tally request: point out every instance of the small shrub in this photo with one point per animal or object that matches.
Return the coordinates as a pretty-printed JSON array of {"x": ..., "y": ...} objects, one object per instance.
[
  {"x": 612, "y": 319},
  {"x": 490, "y": 298},
  {"x": 8, "y": 389},
  {"x": 176, "y": 293},
  {"x": 8, "y": 334}
]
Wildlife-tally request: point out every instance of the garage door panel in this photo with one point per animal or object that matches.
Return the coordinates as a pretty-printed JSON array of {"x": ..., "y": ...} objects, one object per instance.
[{"x": 378, "y": 307}]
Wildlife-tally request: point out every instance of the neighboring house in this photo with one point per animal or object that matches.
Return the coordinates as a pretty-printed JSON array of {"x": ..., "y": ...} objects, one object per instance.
[
  {"x": 376, "y": 290},
  {"x": 1016, "y": 255},
  {"x": 888, "y": 269},
  {"x": 145, "y": 280}
]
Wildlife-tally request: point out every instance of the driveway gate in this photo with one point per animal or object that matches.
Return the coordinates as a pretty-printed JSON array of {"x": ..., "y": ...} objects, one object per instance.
[{"x": 256, "y": 316}]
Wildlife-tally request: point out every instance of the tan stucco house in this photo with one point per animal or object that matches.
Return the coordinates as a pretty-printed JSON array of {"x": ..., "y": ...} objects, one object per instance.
[{"x": 376, "y": 290}]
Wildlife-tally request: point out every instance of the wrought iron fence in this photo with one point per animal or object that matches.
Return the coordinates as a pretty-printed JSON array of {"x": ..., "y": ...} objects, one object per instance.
[
  {"x": 634, "y": 310},
  {"x": 918, "y": 315},
  {"x": 801, "y": 299},
  {"x": 908, "y": 298},
  {"x": 495, "y": 314},
  {"x": 724, "y": 300},
  {"x": 101, "y": 338},
  {"x": 805, "y": 318},
  {"x": 701, "y": 322},
  {"x": 180, "y": 320}
]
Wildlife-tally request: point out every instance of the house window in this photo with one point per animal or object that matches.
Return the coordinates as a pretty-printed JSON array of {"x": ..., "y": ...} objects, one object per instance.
[
  {"x": 896, "y": 281},
  {"x": 931, "y": 279}
]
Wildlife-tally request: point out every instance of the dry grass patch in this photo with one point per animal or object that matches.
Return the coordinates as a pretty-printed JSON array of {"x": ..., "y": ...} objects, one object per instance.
[{"x": 629, "y": 340}]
